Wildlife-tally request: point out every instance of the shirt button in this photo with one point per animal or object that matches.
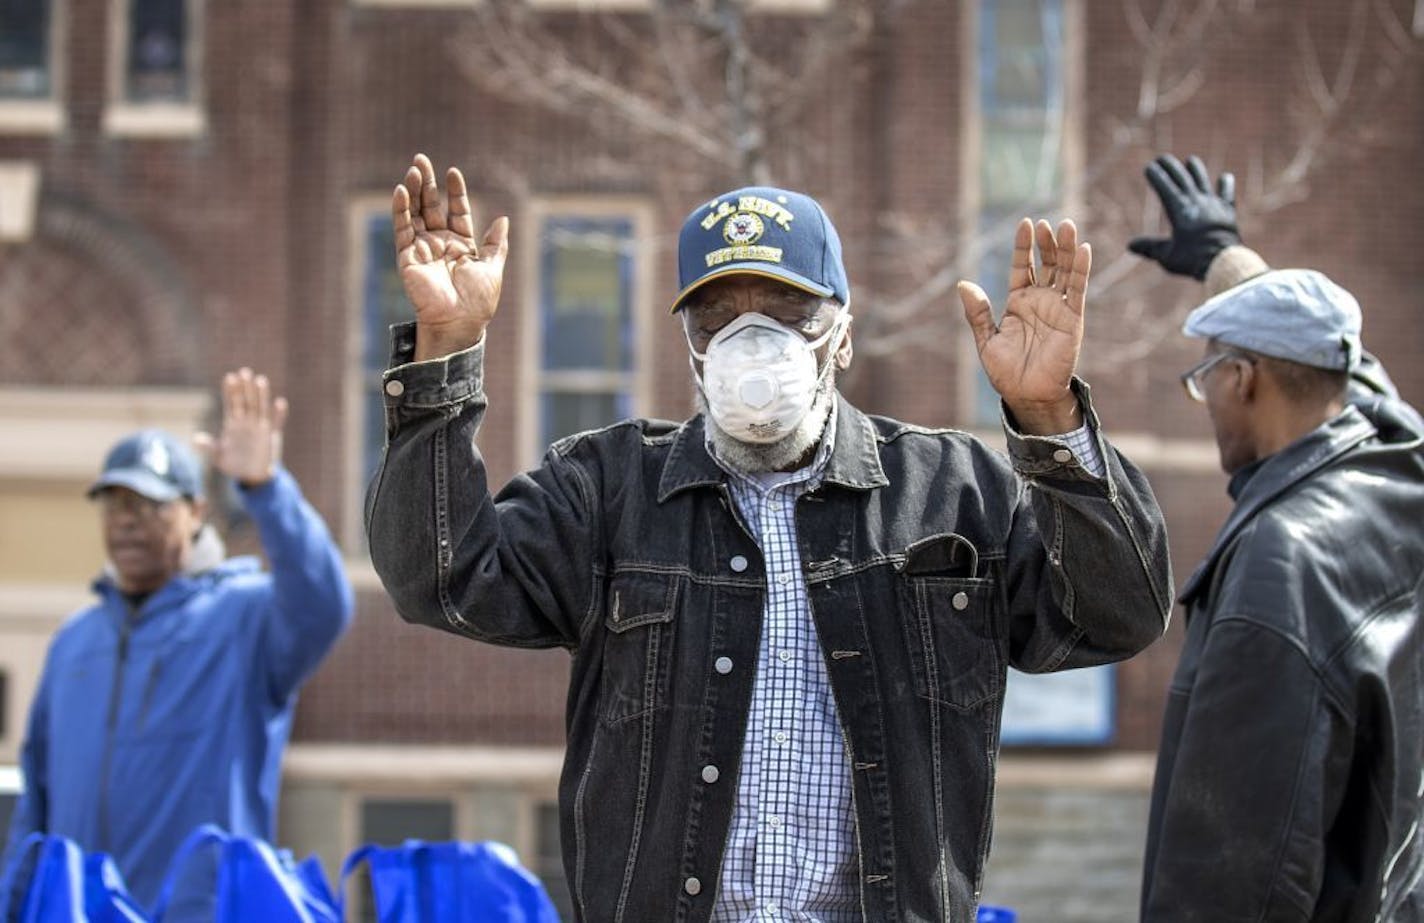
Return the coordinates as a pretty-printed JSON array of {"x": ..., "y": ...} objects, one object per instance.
[
  {"x": 960, "y": 601},
  {"x": 723, "y": 665},
  {"x": 395, "y": 387},
  {"x": 784, "y": 579},
  {"x": 779, "y": 737},
  {"x": 738, "y": 563},
  {"x": 692, "y": 886},
  {"x": 785, "y": 656},
  {"x": 1063, "y": 456},
  {"x": 710, "y": 774},
  {"x": 771, "y": 908},
  {"x": 775, "y": 822}
]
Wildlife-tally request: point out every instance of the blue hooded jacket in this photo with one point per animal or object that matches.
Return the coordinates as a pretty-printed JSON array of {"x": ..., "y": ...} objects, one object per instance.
[{"x": 149, "y": 722}]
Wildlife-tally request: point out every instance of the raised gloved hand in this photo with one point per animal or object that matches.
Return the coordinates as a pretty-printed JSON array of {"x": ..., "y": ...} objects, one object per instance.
[{"x": 1203, "y": 222}]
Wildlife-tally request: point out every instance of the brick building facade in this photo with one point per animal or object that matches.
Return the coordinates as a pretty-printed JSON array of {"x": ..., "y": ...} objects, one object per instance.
[{"x": 168, "y": 219}]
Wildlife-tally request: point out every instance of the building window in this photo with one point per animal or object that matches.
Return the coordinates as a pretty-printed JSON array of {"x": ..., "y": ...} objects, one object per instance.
[
  {"x": 383, "y": 303},
  {"x": 25, "y": 50},
  {"x": 1021, "y": 75},
  {"x": 392, "y": 821},
  {"x": 157, "y": 52},
  {"x": 586, "y": 357},
  {"x": 155, "y": 69},
  {"x": 548, "y": 858}
]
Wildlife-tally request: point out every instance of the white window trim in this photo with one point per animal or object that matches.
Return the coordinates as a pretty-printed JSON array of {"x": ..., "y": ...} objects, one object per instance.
[
  {"x": 639, "y": 213},
  {"x": 127, "y": 118},
  {"x": 43, "y": 116},
  {"x": 19, "y": 198}
]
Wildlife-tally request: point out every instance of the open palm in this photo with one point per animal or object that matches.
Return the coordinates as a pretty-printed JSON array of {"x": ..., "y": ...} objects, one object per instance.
[
  {"x": 1029, "y": 356},
  {"x": 452, "y": 280}
]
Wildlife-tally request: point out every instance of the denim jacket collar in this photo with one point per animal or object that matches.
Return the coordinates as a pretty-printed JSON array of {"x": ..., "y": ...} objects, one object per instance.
[{"x": 854, "y": 462}]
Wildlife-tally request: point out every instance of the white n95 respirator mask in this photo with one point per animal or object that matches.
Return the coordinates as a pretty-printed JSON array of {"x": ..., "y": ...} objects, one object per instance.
[{"x": 759, "y": 378}]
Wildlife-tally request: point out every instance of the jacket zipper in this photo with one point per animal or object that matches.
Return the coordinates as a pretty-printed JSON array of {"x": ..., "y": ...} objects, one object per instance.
[
  {"x": 147, "y": 699},
  {"x": 111, "y": 726}
]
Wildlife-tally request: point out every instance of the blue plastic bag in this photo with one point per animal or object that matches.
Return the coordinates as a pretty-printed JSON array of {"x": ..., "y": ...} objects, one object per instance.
[
  {"x": 51, "y": 880},
  {"x": 457, "y": 882},
  {"x": 254, "y": 882}
]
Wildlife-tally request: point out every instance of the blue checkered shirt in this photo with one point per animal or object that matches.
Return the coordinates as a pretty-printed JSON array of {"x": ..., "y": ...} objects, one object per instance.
[{"x": 791, "y": 848}]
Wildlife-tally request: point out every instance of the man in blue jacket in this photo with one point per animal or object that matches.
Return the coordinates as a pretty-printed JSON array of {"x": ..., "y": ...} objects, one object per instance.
[{"x": 168, "y": 703}]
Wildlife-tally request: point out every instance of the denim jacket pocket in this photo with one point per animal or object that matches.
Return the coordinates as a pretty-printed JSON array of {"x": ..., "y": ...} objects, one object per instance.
[
  {"x": 638, "y": 624},
  {"x": 948, "y": 621}
]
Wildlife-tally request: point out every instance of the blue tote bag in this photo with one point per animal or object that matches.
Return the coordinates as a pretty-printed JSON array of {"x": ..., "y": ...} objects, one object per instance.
[
  {"x": 457, "y": 882},
  {"x": 51, "y": 880},
  {"x": 254, "y": 882}
]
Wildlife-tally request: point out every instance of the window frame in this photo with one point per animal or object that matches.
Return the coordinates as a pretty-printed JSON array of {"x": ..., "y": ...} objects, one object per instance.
[
  {"x": 43, "y": 115},
  {"x": 1072, "y": 154},
  {"x": 638, "y": 213},
  {"x": 125, "y": 117}
]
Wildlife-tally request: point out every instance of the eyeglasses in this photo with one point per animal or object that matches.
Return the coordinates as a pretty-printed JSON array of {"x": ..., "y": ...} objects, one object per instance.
[
  {"x": 1193, "y": 378},
  {"x": 807, "y": 314},
  {"x": 126, "y": 502}
]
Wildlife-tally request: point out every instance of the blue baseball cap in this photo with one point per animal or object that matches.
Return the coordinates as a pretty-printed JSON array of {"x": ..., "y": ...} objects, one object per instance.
[
  {"x": 1293, "y": 314},
  {"x": 154, "y": 464},
  {"x": 761, "y": 231}
]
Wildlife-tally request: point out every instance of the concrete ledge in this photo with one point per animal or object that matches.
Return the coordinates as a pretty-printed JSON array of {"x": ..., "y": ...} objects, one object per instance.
[
  {"x": 377, "y": 763},
  {"x": 1095, "y": 772}
]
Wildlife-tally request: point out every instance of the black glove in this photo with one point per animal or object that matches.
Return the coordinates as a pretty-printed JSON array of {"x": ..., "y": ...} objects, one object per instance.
[{"x": 1203, "y": 223}]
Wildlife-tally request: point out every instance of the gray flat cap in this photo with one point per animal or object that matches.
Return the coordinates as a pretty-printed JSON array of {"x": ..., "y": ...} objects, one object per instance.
[{"x": 1294, "y": 314}]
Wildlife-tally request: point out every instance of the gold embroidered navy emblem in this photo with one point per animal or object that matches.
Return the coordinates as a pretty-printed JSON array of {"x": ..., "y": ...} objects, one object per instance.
[{"x": 743, "y": 228}]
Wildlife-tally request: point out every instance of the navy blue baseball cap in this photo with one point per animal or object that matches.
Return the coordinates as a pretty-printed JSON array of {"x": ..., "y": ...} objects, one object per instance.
[
  {"x": 761, "y": 231},
  {"x": 1294, "y": 314},
  {"x": 154, "y": 464}
]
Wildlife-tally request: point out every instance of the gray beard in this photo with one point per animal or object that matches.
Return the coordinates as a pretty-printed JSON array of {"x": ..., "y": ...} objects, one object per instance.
[{"x": 781, "y": 455}]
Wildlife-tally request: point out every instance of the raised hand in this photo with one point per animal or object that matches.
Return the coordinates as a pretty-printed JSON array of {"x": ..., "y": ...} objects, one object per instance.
[
  {"x": 248, "y": 448},
  {"x": 1031, "y": 353},
  {"x": 1203, "y": 222},
  {"x": 452, "y": 280}
]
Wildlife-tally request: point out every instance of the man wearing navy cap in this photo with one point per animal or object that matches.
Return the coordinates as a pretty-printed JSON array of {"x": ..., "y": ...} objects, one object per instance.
[
  {"x": 1290, "y": 780},
  {"x": 168, "y": 703},
  {"x": 790, "y": 622}
]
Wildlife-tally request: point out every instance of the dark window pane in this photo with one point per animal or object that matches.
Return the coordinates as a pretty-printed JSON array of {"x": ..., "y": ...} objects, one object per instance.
[
  {"x": 1020, "y": 46},
  {"x": 24, "y": 49},
  {"x": 549, "y": 864},
  {"x": 586, "y": 294},
  {"x": 568, "y": 412},
  {"x": 157, "y": 53},
  {"x": 392, "y": 821}
]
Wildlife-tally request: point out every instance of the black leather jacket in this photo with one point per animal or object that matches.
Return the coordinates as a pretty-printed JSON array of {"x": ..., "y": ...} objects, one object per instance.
[
  {"x": 1291, "y": 770},
  {"x": 931, "y": 562}
]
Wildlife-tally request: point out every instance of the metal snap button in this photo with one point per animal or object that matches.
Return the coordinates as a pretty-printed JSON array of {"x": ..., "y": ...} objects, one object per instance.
[
  {"x": 723, "y": 665},
  {"x": 960, "y": 601},
  {"x": 395, "y": 387},
  {"x": 692, "y": 886},
  {"x": 710, "y": 774},
  {"x": 738, "y": 563},
  {"x": 1063, "y": 456}
]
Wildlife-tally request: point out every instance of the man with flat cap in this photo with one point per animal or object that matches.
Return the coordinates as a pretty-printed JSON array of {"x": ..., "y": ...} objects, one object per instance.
[
  {"x": 1290, "y": 780},
  {"x": 790, "y": 622},
  {"x": 167, "y": 704}
]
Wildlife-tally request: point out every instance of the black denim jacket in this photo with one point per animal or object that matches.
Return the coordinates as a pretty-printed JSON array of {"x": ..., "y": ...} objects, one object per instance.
[{"x": 932, "y": 565}]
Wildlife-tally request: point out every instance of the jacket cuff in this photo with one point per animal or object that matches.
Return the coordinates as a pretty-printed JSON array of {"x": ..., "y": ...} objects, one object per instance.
[
  {"x": 453, "y": 379},
  {"x": 1051, "y": 456},
  {"x": 1233, "y": 266}
]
